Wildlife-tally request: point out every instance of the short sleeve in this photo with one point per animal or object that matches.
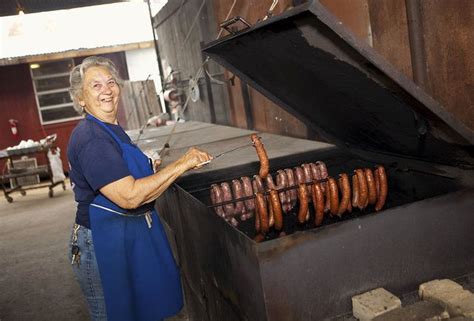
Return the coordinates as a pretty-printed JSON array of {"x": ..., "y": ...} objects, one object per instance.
[{"x": 102, "y": 163}]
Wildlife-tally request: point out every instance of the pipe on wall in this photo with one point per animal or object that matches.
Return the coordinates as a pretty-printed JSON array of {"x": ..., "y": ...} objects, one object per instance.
[{"x": 417, "y": 44}]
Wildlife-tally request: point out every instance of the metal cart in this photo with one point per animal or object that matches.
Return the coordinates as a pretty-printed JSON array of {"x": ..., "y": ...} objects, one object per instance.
[{"x": 12, "y": 173}]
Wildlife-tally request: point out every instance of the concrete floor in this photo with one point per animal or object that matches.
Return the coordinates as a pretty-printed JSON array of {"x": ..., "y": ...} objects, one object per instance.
[{"x": 36, "y": 279}]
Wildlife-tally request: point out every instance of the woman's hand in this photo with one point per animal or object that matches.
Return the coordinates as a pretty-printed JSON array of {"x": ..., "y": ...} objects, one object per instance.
[{"x": 194, "y": 158}]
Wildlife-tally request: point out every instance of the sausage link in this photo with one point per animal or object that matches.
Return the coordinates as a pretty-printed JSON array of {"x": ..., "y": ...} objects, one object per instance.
[
  {"x": 315, "y": 171},
  {"x": 355, "y": 191},
  {"x": 237, "y": 192},
  {"x": 257, "y": 184},
  {"x": 327, "y": 203},
  {"x": 291, "y": 182},
  {"x": 383, "y": 188},
  {"x": 271, "y": 217},
  {"x": 262, "y": 156},
  {"x": 369, "y": 176},
  {"x": 308, "y": 178},
  {"x": 303, "y": 199},
  {"x": 277, "y": 210},
  {"x": 216, "y": 197},
  {"x": 257, "y": 219},
  {"x": 363, "y": 192},
  {"x": 345, "y": 187},
  {"x": 229, "y": 209},
  {"x": 282, "y": 182},
  {"x": 377, "y": 181},
  {"x": 333, "y": 196},
  {"x": 248, "y": 191},
  {"x": 323, "y": 171},
  {"x": 261, "y": 205},
  {"x": 318, "y": 203},
  {"x": 299, "y": 174},
  {"x": 270, "y": 183}
]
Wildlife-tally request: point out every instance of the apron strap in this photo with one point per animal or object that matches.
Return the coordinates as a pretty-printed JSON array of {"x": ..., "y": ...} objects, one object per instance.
[{"x": 110, "y": 131}]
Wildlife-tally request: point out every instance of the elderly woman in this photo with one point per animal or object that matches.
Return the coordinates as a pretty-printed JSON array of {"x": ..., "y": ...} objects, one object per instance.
[{"x": 119, "y": 250}]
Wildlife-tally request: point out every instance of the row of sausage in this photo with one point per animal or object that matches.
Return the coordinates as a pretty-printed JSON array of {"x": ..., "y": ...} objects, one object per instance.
[{"x": 305, "y": 184}]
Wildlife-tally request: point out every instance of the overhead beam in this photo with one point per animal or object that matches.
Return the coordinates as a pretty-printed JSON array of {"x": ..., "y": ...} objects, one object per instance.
[{"x": 75, "y": 53}]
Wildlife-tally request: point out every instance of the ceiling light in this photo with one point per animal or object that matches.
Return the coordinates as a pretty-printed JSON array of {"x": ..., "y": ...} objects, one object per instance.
[{"x": 34, "y": 66}]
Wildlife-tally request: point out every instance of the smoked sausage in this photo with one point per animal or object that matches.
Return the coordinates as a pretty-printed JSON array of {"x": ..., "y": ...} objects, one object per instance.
[
  {"x": 363, "y": 192},
  {"x": 372, "y": 190},
  {"x": 345, "y": 187},
  {"x": 333, "y": 196},
  {"x": 291, "y": 182},
  {"x": 229, "y": 209},
  {"x": 282, "y": 182},
  {"x": 262, "y": 156},
  {"x": 382, "y": 195},
  {"x": 303, "y": 199},
  {"x": 216, "y": 197},
  {"x": 237, "y": 192},
  {"x": 248, "y": 191},
  {"x": 318, "y": 203},
  {"x": 355, "y": 191},
  {"x": 277, "y": 210},
  {"x": 261, "y": 207}
]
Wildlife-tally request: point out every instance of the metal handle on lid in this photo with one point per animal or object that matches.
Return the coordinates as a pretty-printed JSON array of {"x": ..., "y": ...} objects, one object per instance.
[{"x": 229, "y": 22}]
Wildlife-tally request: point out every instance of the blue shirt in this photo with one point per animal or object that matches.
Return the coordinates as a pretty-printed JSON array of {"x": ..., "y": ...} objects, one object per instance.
[{"x": 95, "y": 160}]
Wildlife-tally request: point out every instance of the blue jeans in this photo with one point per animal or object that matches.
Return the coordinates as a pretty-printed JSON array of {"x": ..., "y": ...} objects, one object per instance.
[{"x": 87, "y": 274}]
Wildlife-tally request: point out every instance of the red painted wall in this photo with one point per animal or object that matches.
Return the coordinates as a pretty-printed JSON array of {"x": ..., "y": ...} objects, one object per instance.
[{"x": 17, "y": 101}]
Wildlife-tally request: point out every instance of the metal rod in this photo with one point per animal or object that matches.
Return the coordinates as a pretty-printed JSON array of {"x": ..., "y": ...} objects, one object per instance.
[
  {"x": 210, "y": 95},
  {"x": 157, "y": 50},
  {"x": 284, "y": 189}
]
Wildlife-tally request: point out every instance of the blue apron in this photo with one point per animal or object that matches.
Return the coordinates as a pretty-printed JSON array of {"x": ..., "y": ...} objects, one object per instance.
[{"x": 139, "y": 276}]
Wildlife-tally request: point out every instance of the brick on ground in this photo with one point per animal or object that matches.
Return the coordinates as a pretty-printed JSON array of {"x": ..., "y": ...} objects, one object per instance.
[
  {"x": 371, "y": 304},
  {"x": 449, "y": 294}
]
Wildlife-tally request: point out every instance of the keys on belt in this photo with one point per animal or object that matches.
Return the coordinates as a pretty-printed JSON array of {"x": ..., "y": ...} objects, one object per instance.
[{"x": 75, "y": 250}]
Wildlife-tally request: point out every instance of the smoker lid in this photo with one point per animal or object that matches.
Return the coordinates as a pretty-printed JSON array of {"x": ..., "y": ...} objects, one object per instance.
[{"x": 308, "y": 63}]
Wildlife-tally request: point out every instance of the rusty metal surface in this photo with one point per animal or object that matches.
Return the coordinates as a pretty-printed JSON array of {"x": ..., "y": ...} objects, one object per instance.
[
  {"x": 354, "y": 14},
  {"x": 266, "y": 115},
  {"x": 306, "y": 275},
  {"x": 312, "y": 276},
  {"x": 322, "y": 74},
  {"x": 388, "y": 20},
  {"x": 448, "y": 34},
  {"x": 219, "y": 263}
]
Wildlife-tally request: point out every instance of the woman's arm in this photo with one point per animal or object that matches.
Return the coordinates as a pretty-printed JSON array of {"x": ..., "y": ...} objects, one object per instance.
[{"x": 130, "y": 193}]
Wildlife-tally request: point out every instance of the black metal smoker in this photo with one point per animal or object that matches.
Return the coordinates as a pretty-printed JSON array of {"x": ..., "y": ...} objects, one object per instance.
[{"x": 305, "y": 61}]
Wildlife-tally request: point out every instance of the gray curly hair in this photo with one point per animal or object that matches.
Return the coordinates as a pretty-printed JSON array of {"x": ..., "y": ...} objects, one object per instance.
[{"x": 76, "y": 78}]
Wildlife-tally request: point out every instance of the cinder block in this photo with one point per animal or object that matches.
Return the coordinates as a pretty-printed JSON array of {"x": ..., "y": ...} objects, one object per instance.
[
  {"x": 439, "y": 289},
  {"x": 369, "y": 305},
  {"x": 449, "y": 294}
]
